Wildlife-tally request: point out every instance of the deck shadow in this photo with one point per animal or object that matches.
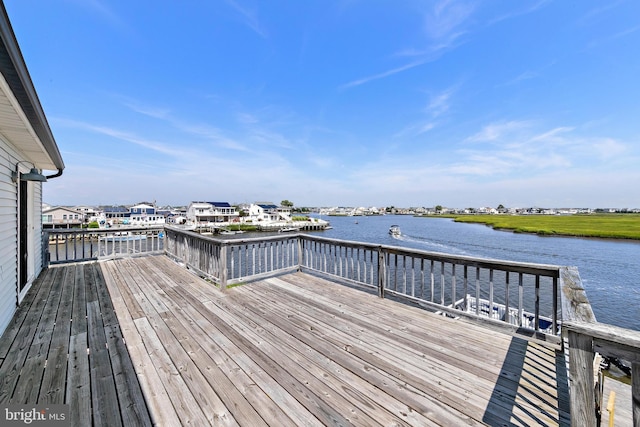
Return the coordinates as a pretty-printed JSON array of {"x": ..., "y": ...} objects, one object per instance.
[{"x": 519, "y": 383}]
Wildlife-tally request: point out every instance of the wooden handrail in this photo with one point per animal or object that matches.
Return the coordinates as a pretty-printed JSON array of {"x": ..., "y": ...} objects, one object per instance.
[{"x": 585, "y": 339}]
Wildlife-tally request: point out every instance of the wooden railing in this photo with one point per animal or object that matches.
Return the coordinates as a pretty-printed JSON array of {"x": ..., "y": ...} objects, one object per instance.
[
  {"x": 456, "y": 285},
  {"x": 585, "y": 337},
  {"x": 232, "y": 261},
  {"x": 75, "y": 245},
  {"x": 584, "y": 340}
]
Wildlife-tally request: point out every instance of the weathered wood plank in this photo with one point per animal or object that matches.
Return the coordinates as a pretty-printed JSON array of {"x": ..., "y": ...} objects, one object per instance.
[
  {"x": 78, "y": 395},
  {"x": 53, "y": 387},
  {"x": 28, "y": 382},
  {"x": 186, "y": 405},
  {"x": 104, "y": 396},
  {"x": 15, "y": 327},
  {"x": 383, "y": 407},
  {"x": 383, "y": 373},
  {"x": 191, "y": 337},
  {"x": 132, "y": 405},
  {"x": 161, "y": 408},
  {"x": 444, "y": 372}
]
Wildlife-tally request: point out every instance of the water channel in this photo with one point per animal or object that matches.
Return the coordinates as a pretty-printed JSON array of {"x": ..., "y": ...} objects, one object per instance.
[{"x": 610, "y": 269}]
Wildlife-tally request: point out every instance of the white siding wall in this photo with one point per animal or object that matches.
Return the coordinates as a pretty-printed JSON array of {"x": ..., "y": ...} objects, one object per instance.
[
  {"x": 8, "y": 235},
  {"x": 9, "y": 232},
  {"x": 37, "y": 224}
]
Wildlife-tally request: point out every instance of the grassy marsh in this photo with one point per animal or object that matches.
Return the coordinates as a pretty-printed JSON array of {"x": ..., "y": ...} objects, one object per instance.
[{"x": 606, "y": 226}]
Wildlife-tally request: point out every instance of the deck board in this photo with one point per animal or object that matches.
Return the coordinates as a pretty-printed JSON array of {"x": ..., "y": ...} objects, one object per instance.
[{"x": 298, "y": 349}]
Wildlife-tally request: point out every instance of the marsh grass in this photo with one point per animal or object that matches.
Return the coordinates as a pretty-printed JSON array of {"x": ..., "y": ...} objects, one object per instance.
[{"x": 606, "y": 226}]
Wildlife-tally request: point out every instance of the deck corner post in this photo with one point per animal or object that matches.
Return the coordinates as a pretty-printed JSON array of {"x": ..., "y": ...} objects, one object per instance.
[
  {"x": 582, "y": 394},
  {"x": 223, "y": 267},
  {"x": 381, "y": 272},
  {"x": 300, "y": 253}
]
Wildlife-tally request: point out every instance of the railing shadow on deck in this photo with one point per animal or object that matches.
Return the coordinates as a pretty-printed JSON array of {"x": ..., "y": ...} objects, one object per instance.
[
  {"x": 535, "y": 299},
  {"x": 513, "y": 394}
]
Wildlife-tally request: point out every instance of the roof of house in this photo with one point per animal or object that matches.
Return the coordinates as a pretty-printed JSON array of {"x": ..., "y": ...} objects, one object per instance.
[
  {"x": 60, "y": 208},
  {"x": 22, "y": 118},
  {"x": 115, "y": 209},
  {"x": 216, "y": 204}
]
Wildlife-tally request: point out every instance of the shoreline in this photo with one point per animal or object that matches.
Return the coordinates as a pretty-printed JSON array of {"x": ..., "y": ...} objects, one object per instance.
[{"x": 618, "y": 228}]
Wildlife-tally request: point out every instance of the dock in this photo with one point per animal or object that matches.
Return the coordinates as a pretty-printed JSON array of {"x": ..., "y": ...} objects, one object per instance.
[{"x": 160, "y": 345}]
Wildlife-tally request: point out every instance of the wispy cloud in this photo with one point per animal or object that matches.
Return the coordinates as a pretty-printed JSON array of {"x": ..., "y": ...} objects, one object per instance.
[
  {"x": 613, "y": 37},
  {"x": 520, "y": 12},
  {"x": 121, "y": 135},
  {"x": 437, "y": 106},
  {"x": 444, "y": 25},
  {"x": 382, "y": 75},
  {"x": 497, "y": 131},
  {"x": 445, "y": 22},
  {"x": 508, "y": 147},
  {"x": 250, "y": 18}
]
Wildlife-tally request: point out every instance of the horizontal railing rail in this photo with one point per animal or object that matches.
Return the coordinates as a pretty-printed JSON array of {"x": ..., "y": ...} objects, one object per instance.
[{"x": 79, "y": 244}]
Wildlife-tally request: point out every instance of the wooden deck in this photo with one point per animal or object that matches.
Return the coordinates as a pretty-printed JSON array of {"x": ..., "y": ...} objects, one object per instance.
[
  {"x": 64, "y": 346},
  {"x": 291, "y": 350}
]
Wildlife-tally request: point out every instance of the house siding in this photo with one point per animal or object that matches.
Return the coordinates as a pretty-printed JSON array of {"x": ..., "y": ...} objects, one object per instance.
[
  {"x": 8, "y": 235},
  {"x": 37, "y": 224}
]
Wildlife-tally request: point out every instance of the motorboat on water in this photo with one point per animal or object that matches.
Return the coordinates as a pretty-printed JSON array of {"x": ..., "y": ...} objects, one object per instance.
[{"x": 394, "y": 231}]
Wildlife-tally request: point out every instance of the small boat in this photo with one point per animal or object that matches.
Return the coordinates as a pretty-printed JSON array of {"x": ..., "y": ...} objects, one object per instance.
[
  {"x": 394, "y": 230},
  {"x": 288, "y": 229}
]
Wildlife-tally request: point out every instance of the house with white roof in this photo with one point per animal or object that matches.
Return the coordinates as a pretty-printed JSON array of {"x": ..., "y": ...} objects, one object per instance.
[
  {"x": 211, "y": 212},
  {"x": 145, "y": 214},
  {"x": 268, "y": 212}
]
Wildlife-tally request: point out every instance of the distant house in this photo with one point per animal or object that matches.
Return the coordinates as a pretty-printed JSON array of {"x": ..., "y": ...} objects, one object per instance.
[
  {"x": 27, "y": 147},
  {"x": 145, "y": 214},
  {"x": 116, "y": 214},
  {"x": 61, "y": 217},
  {"x": 268, "y": 212},
  {"x": 207, "y": 212}
]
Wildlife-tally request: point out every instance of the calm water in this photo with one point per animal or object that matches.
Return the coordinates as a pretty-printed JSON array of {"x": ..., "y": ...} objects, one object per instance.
[{"x": 610, "y": 270}]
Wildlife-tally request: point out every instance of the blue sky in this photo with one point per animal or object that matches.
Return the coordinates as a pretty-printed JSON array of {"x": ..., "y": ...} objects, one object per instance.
[{"x": 326, "y": 103}]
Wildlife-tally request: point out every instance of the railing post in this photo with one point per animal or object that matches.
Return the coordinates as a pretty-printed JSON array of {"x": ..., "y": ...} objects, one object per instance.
[
  {"x": 46, "y": 256},
  {"x": 635, "y": 392},
  {"x": 581, "y": 376},
  {"x": 300, "y": 254},
  {"x": 381, "y": 273},
  {"x": 223, "y": 267}
]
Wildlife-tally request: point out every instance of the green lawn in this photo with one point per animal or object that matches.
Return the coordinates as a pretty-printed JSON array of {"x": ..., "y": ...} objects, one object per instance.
[{"x": 611, "y": 226}]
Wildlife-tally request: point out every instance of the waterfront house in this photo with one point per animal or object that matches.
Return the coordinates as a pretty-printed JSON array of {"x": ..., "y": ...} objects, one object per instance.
[
  {"x": 145, "y": 214},
  {"x": 27, "y": 147},
  {"x": 268, "y": 212},
  {"x": 211, "y": 212},
  {"x": 116, "y": 214},
  {"x": 60, "y": 216}
]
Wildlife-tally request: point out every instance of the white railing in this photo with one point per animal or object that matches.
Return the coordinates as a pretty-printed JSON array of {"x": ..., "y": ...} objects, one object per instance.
[{"x": 75, "y": 244}]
